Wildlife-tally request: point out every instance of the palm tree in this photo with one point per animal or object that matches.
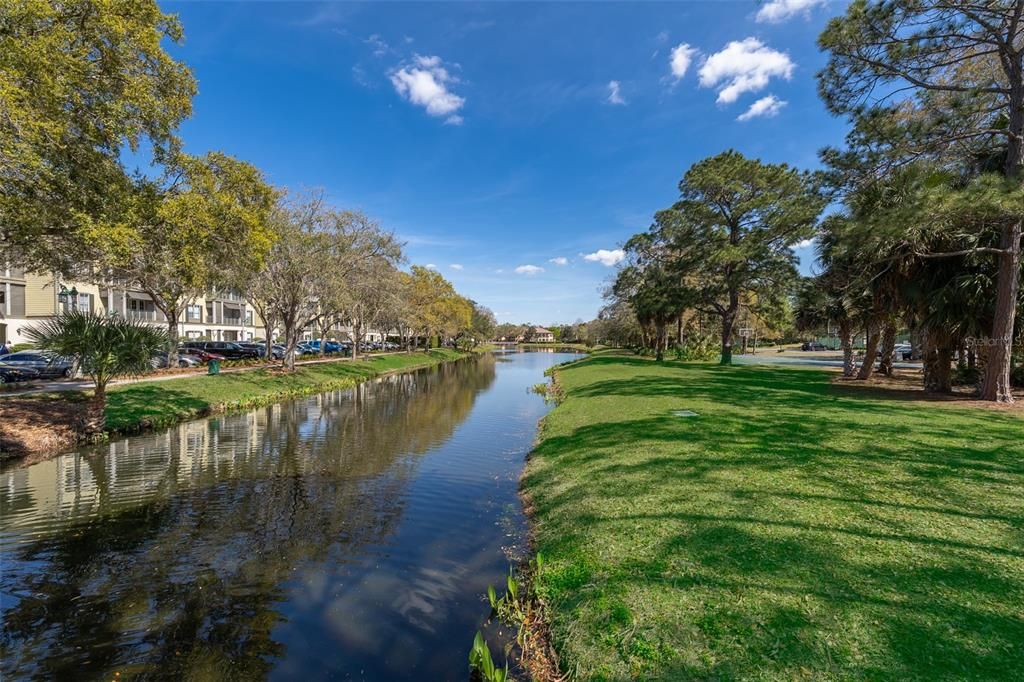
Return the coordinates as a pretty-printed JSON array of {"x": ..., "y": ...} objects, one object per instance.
[{"x": 105, "y": 348}]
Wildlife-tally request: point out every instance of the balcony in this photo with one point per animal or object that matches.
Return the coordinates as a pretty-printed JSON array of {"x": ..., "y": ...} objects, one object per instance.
[
  {"x": 227, "y": 296},
  {"x": 232, "y": 321},
  {"x": 145, "y": 315}
]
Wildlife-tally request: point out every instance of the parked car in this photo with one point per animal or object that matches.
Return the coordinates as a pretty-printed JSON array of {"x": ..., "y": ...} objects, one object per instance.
[
  {"x": 304, "y": 348},
  {"x": 10, "y": 373},
  {"x": 159, "y": 361},
  {"x": 48, "y": 366},
  {"x": 813, "y": 345},
  {"x": 203, "y": 355},
  {"x": 259, "y": 348},
  {"x": 903, "y": 351},
  {"x": 226, "y": 349}
]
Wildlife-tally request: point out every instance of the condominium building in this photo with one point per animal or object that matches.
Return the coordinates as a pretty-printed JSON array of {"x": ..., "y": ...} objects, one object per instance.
[{"x": 27, "y": 298}]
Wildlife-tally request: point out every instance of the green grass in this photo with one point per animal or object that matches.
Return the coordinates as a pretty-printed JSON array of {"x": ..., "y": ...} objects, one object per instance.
[
  {"x": 158, "y": 404},
  {"x": 794, "y": 529}
]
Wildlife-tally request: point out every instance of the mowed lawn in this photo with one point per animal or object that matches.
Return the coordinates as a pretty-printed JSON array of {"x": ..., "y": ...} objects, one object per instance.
[{"x": 794, "y": 529}]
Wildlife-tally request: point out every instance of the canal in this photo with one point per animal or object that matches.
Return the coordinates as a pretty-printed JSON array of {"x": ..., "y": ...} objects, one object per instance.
[{"x": 348, "y": 535}]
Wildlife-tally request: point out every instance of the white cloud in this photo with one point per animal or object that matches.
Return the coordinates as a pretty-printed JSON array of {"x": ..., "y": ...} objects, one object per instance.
[
  {"x": 606, "y": 257},
  {"x": 744, "y": 66},
  {"x": 426, "y": 83},
  {"x": 430, "y": 266},
  {"x": 380, "y": 47},
  {"x": 559, "y": 261},
  {"x": 455, "y": 266},
  {"x": 614, "y": 94},
  {"x": 766, "y": 106},
  {"x": 680, "y": 59},
  {"x": 775, "y": 11},
  {"x": 529, "y": 269},
  {"x": 803, "y": 244}
]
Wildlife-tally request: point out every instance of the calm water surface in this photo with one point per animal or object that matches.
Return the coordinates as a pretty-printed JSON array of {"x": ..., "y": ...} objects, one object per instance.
[{"x": 349, "y": 535}]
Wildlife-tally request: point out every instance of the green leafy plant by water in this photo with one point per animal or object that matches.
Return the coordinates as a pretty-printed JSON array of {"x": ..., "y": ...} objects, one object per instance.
[{"x": 481, "y": 663}]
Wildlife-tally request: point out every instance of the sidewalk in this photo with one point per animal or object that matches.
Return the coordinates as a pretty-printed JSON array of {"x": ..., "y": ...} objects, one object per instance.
[{"x": 85, "y": 384}]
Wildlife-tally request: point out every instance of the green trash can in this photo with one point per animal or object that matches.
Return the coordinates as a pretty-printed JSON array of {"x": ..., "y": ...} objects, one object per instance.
[{"x": 213, "y": 367}]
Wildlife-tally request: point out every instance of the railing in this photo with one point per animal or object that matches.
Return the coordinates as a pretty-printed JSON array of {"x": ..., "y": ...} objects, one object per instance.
[
  {"x": 148, "y": 315},
  {"x": 193, "y": 318},
  {"x": 227, "y": 296},
  {"x": 232, "y": 321}
]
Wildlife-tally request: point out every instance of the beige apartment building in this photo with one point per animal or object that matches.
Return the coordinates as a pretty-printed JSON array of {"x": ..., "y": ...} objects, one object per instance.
[{"x": 27, "y": 298}]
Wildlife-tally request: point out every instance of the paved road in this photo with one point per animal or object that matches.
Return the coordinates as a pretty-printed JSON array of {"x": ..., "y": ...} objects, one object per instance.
[
  {"x": 85, "y": 384},
  {"x": 810, "y": 360}
]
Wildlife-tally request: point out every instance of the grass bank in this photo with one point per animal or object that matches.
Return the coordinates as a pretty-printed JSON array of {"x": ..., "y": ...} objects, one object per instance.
[
  {"x": 43, "y": 423},
  {"x": 131, "y": 407},
  {"x": 793, "y": 529}
]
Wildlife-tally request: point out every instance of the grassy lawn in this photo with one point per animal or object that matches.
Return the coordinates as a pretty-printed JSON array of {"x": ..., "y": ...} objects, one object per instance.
[
  {"x": 161, "y": 403},
  {"x": 794, "y": 529}
]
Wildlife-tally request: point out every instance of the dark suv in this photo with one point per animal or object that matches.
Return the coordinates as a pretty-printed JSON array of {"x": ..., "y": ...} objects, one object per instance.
[{"x": 225, "y": 349}]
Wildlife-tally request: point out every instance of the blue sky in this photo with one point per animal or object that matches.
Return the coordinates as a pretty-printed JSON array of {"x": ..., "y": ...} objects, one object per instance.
[{"x": 497, "y": 137}]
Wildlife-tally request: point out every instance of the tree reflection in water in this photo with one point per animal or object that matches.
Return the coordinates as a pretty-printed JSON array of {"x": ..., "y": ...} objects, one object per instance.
[{"x": 173, "y": 554}]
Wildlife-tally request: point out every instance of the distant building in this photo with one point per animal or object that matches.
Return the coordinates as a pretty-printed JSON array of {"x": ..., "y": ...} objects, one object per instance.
[{"x": 542, "y": 335}]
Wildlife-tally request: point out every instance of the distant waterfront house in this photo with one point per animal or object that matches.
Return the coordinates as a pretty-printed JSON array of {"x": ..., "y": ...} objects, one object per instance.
[{"x": 542, "y": 335}]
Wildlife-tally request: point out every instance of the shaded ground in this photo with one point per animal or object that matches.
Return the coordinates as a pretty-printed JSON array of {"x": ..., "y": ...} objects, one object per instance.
[{"x": 794, "y": 529}]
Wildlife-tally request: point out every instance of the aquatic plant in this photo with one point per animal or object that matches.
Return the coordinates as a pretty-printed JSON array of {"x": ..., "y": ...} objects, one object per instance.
[{"x": 481, "y": 663}]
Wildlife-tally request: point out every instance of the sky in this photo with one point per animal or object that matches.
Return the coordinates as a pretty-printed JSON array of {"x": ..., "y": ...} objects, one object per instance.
[{"x": 514, "y": 147}]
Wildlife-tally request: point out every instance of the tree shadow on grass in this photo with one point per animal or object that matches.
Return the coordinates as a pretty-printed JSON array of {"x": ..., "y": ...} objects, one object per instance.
[{"x": 816, "y": 534}]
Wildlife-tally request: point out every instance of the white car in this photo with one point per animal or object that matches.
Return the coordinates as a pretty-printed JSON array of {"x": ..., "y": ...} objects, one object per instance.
[{"x": 903, "y": 351}]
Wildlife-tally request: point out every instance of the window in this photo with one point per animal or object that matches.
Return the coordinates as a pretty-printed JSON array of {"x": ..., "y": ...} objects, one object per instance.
[
  {"x": 248, "y": 318},
  {"x": 194, "y": 313},
  {"x": 17, "y": 301}
]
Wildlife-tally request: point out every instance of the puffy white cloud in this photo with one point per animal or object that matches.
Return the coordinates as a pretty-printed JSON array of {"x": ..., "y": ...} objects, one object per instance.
[
  {"x": 529, "y": 269},
  {"x": 559, "y": 260},
  {"x": 426, "y": 83},
  {"x": 775, "y": 11},
  {"x": 606, "y": 257},
  {"x": 614, "y": 93},
  {"x": 456, "y": 266},
  {"x": 430, "y": 266},
  {"x": 744, "y": 66},
  {"x": 803, "y": 244},
  {"x": 766, "y": 106},
  {"x": 680, "y": 59}
]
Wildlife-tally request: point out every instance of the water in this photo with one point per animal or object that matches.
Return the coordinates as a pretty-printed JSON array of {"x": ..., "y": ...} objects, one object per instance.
[{"x": 350, "y": 535}]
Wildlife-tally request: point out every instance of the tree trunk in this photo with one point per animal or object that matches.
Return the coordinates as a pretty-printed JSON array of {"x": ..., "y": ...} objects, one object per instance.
[
  {"x": 290, "y": 339},
  {"x": 172, "y": 340},
  {"x": 728, "y": 321},
  {"x": 95, "y": 419},
  {"x": 888, "y": 349},
  {"x": 679, "y": 330},
  {"x": 357, "y": 328},
  {"x": 870, "y": 353},
  {"x": 659, "y": 341},
  {"x": 996, "y": 385},
  {"x": 846, "y": 342},
  {"x": 938, "y": 363}
]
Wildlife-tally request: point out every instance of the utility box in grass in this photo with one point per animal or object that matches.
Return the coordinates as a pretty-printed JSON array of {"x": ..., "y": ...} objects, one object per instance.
[{"x": 213, "y": 367}]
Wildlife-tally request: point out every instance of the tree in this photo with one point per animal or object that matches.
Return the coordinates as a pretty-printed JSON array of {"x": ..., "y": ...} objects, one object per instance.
[
  {"x": 436, "y": 308},
  {"x": 730, "y": 234},
  {"x": 206, "y": 225},
  {"x": 939, "y": 79},
  {"x": 315, "y": 249},
  {"x": 79, "y": 82},
  {"x": 482, "y": 323},
  {"x": 105, "y": 347}
]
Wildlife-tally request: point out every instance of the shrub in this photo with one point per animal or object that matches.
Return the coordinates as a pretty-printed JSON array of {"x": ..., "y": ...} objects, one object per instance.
[
  {"x": 966, "y": 376},
  {"x": 698, "y": 348}
]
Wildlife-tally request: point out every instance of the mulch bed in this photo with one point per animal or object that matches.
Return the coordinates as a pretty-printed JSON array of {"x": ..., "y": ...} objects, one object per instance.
[
  {"x": 909, "y": 385},
  {"x": 36, "y": 426}
]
